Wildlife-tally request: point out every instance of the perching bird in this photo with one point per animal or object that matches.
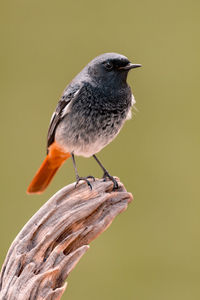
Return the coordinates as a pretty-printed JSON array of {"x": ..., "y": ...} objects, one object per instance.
[{"x": 89, "y": 115}]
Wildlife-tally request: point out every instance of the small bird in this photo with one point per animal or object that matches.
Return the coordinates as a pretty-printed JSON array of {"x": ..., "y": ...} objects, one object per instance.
[{"x": 89, "y": 115}]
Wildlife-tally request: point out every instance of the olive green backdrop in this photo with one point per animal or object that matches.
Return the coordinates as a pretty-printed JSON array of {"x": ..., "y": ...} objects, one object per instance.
[{"x": 152, "y": 250}]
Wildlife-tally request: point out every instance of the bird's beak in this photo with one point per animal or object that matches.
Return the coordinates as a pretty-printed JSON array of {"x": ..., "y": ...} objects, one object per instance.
[{"x": 130, "y": 66}]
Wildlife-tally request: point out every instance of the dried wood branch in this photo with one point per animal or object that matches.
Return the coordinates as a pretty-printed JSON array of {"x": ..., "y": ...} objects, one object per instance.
[{"x": 55, "y": 238}]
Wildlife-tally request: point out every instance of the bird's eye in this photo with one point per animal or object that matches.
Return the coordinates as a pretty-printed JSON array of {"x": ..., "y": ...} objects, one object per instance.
[{"x": 108, "y": 66}]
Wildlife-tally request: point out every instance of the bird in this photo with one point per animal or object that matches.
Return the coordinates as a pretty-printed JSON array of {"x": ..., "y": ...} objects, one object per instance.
[{"x": 89, "y": 115}]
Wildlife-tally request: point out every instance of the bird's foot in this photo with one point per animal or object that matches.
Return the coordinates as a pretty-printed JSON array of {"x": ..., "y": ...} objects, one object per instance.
[
  {"x": 92, "y": 177},
  {"x": 115, "y": 183},
  {"x": 85, "y": 179}
]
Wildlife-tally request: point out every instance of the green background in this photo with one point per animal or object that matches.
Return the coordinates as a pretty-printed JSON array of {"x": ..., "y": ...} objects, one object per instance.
[{"x": 152, "y": 251}]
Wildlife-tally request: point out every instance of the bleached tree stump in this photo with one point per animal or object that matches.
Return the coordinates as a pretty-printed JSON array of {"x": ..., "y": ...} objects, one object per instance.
[{"x": 55, "y": 238}]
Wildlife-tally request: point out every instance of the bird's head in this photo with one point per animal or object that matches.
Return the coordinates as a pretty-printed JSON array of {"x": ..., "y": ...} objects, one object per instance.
[{"x": 110, "y": 68}]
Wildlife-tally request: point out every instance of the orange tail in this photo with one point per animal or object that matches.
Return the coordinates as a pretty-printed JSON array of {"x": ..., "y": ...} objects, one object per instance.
[{"x": 53, "y": 161}]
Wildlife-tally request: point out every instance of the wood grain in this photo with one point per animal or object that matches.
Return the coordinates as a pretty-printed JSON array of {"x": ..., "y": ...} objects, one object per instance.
[{"x": 55, "y": 238}]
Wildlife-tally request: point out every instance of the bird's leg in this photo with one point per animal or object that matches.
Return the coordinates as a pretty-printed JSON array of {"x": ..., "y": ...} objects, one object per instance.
[
  {"x": 78, "y": 178},
  {"x": 106, "y": 174}
]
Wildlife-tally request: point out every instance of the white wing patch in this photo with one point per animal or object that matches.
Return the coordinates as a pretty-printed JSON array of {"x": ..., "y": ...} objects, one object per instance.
[
  {"x": 67, "y": 107},
  {"x": 65, "y": 110},
  {"x": 53, "y": 115}
]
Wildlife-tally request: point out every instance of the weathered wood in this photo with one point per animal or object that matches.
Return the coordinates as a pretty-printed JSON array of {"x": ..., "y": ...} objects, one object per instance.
[{"x": 55, "y": 238}]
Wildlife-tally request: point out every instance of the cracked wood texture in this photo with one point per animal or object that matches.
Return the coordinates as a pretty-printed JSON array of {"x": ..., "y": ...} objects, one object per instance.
[{"x": 55, "y": 238}]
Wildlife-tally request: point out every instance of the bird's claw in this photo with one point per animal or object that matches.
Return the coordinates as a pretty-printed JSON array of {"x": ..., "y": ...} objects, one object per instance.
[
  {"x": 115, "y": 183},
  {"x": 86, "y": 180},
  {"x": 92, "y": 177}
]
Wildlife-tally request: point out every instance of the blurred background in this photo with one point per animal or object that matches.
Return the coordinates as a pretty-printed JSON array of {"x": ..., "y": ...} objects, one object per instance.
[{"x": 152, "y": 251}]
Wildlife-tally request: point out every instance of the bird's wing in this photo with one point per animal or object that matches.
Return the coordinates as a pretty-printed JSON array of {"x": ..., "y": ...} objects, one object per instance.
[{"x": 62, "y": 109}]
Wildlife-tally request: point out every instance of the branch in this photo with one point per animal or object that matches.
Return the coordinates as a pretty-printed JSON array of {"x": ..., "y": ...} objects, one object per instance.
[{"x": 55, "y": 238}]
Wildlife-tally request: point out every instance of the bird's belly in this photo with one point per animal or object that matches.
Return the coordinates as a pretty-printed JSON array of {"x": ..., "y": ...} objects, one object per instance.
[
  {"x": 89, "y": 149},
  {"x": 88, "y": 139}
]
